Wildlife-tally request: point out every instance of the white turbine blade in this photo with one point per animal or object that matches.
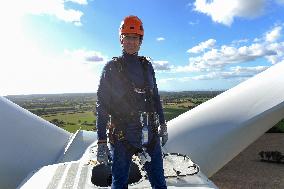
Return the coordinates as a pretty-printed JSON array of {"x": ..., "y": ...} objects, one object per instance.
[
  {"x": 216, "y": 131},
  {"x": 27, "y": 142}
]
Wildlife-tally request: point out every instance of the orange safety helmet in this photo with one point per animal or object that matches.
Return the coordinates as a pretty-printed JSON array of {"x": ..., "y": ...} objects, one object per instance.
[{"x": 131, "y": 25}]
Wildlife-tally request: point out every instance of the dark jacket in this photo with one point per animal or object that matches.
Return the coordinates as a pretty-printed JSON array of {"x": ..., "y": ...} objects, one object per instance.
[{"x": 112, "y": 93}]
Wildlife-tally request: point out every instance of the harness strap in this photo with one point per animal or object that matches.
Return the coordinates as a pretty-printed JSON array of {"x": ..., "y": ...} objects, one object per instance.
[
  {"x": 149, "y": 92},
  {"x": 121, "y": 126}
]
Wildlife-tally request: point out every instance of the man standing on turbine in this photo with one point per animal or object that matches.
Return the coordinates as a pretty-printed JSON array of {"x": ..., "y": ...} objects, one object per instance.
[{"x": 129, "y": 106}]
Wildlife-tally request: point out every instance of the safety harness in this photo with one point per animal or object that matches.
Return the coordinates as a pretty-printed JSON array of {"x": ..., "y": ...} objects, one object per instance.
[{"x": 118, "y": 122}]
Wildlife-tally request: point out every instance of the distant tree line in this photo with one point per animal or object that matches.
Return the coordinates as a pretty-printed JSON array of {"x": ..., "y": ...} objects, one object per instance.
[{"x": 61, "y": 123}]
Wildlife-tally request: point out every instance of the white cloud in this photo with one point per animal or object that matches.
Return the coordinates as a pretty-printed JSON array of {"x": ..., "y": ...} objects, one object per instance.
[
  {"x": 241, "y": 41},
  {"x": 160, "y": 39},
  {"x": 202, "y": 46},
  {"x": 54, "y": 8},
  {"x": 274, "y": 34},
  {"x": 279, "y": 49},
  {"x": 194, "y": 22},
  {"x": 214, "y": 76},
  {"x": 86, "y": 57},
  {"x": 224, "y": 11},
  {"x": 189, "y": 68},
  {"x": 251, "y": 70},
  {"x": 34, "y": 71},
  {"x": 236, "y": 72},
  {"x": 80, "y": 2},
  {"x": 209, "y": 76},
  {"x": 217, "y": 59},
  {"x": 257, "y": 40},
  {"x": 280, "y": 1},
  {"x": 28, "y": 67},
  {"x": 174, "y": 79},
  {"x": 161, "y": 65},
  {"x": 166, "y": 80}
]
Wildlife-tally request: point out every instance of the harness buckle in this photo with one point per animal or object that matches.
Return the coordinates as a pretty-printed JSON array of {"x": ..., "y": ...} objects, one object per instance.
[
  {"x": 139, "y": 91},
  {"x": 144, "y": 119},
  {"x": 120, "y": 135}
]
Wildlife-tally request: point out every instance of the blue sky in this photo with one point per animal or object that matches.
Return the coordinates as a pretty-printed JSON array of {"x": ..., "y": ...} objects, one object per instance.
[{"x": 61, "y": 46}]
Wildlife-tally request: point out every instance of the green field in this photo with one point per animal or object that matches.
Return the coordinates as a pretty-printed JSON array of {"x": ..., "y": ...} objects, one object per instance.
[
  {"x": 171, "y": 112},
  {"x": 74, "y": 121},
  {"x": 74, "y": 111}
]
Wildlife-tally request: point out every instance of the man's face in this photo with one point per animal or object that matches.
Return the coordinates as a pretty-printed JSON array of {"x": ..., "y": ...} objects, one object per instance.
[{"x": 130, "y": 43}]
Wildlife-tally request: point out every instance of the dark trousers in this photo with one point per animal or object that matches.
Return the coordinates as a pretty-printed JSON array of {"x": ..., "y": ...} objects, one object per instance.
[{"x": 121, "y": 158}]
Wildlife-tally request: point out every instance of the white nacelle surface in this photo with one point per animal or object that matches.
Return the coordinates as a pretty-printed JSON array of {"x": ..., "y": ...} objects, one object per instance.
[{"x": 77, "y": 174}]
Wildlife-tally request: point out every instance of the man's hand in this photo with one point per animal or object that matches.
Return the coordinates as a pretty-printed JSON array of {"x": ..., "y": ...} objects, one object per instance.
[
  {"x": 103, "y": 152},
  {"x": 163, "y": 133}
]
